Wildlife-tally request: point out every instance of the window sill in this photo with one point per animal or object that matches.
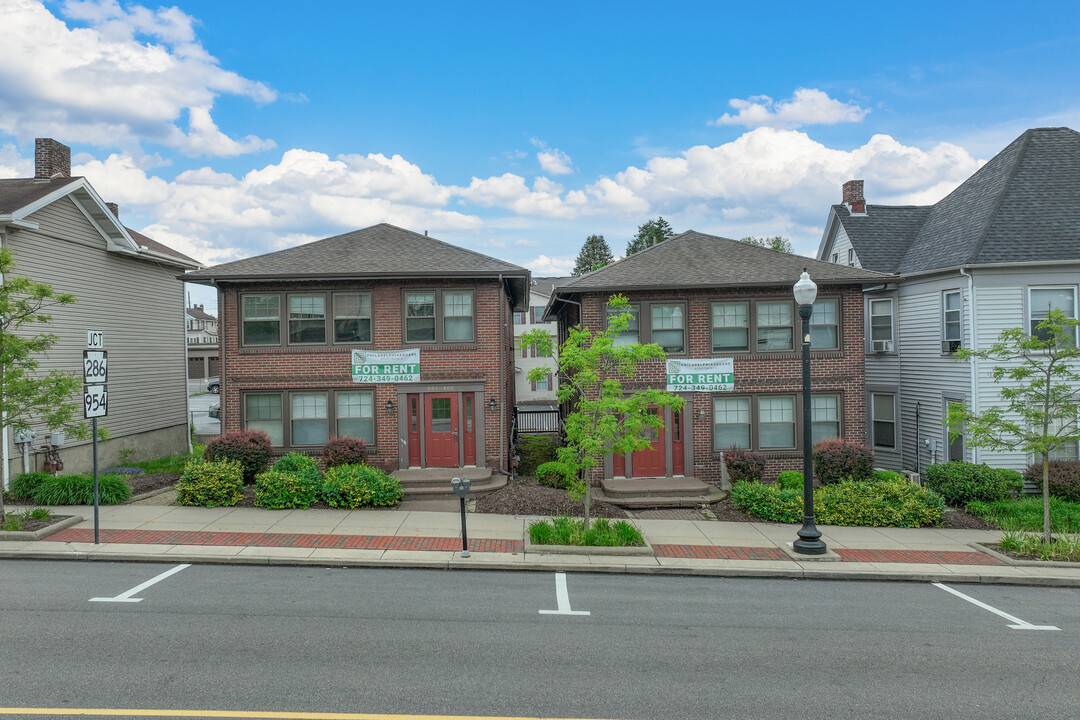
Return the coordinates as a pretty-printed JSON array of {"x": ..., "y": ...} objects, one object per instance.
[
  {"x": 439, "y": 347},
  {"x": 278, "y": 349}
]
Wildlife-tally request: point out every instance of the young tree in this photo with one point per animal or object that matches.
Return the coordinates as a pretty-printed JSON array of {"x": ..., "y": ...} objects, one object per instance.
[
  {"x": 778, "y": 243},
  {"x": 27, "y": 396},
  {"x": 649, "y": 234},
  {"x": 594, "y": 254},
  {"x": 603, "y": 420},
  {"x": 1039, "y": 378}
]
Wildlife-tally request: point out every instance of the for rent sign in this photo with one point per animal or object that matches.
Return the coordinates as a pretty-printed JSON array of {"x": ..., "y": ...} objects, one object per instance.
[
  {"x": 701, "y": 375},
  {"x": 392, "y": 366}
]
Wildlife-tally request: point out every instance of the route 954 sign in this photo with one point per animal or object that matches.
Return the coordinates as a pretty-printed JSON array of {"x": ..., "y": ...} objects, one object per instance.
[{"x": 95, "y": 401}]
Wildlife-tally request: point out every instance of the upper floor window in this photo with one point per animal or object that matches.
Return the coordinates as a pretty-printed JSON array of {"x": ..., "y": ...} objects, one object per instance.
[
  {"x": 1042, "y": 300},
  {"x": 630, "y": 335},
  {"x": 775, "y": 330},
  {"x": 836, "y": 257},
  {"x": 731, "y": 327},
  {"x": 825, "y": 325},
  {"x": 446, "y": 316},
  {"x": 952, "y": 308},
  {"x": 352, "y": 317},
  {"x": 883, "y": 419},
  {"x": 307, "y": 319},
  {"x": 262, "y": 319},
  {"x": 669, "y": 327},
  {"x": 519, "y": 318},
  {"x": 881, "y": 325},
  {"x": 851, "y": 257}
]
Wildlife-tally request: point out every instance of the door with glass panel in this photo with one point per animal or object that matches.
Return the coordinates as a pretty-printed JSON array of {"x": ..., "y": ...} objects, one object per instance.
[{"x": 441, "y": 430}]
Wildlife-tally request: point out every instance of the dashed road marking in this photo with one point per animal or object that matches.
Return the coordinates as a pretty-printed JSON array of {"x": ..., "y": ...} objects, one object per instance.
[
  {"x": 1018, "y": 623},
  {"x": 127, "y": 596}
]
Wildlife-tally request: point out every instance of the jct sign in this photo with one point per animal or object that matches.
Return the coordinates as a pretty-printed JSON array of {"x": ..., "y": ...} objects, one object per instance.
[{"x": 701, "y": 375}]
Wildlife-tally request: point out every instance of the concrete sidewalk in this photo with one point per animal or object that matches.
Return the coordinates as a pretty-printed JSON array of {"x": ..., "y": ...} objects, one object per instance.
[{"x": 404, "y": 538}]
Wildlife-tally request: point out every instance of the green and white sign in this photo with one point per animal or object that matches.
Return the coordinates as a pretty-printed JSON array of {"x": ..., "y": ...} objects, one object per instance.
[
  {"x": 392, "y": 366},
  {"x": 701, "y": 375}
]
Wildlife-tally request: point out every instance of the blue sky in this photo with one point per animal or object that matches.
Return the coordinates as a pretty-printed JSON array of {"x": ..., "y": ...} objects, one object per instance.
[{"x": 229, "y": 129}]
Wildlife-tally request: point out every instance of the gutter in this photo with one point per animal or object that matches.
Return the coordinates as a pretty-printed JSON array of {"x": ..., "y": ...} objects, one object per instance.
[{"x": 974, "y": 361}]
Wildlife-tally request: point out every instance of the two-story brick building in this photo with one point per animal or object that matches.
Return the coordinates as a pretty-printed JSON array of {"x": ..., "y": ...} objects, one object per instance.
[
  {"x": 383, "y": 334},
  {"x": 702, "y": 296}
]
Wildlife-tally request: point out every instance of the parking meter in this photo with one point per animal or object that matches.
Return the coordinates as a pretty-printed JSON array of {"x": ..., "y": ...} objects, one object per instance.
[{"x": 461, "y": 489}]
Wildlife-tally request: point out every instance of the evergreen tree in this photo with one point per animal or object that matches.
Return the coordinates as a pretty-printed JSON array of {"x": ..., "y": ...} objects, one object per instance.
[
  {"x": 777, "y": 242},
  {"x": 594, "y": 254},
  {"x": 649, "y": 234}
]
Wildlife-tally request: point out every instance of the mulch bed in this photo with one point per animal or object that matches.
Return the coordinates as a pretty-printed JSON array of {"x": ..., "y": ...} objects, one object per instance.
[
  {"x": 148, "y": 482},
  {"x": 35, "y": 525},
  {"x": 953, "y": 519}
]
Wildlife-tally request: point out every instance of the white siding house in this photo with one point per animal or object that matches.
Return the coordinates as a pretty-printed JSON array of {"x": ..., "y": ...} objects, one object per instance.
[
  {"x": 965, "y": 269},
  {"x": 530, "y": 394}
]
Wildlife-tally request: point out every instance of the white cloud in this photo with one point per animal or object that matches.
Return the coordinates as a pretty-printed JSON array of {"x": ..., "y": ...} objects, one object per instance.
[
  {"x": 555, "y": 161},
  {"x": 134, "y": 75},
  {"x": 808, "y": 107},
  {"x": 13, "y": 166},
  {"x": 510, "y": 191},
  {"x": 545, "y": 266}
]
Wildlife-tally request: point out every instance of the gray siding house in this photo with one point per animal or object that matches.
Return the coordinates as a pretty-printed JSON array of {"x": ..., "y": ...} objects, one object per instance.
[
  {"x": 125, "y": 284},
  {"x": 994, "y": 254}
]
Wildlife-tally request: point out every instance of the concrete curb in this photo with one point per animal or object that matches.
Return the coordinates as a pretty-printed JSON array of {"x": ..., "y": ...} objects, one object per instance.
[
  {"x": 1017, "y": 562},
  {"x": 13, "y": 536}
]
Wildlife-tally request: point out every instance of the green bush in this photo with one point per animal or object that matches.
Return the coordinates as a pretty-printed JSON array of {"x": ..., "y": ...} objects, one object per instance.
[
  {"x": 553, "y": 474},
  {"x": 299, "y": 463},
  {"x": 744, "y": 464},
  {"x": 768, "y": 502},
  {"x": 79, "y": 490},
  {"x": 1064, "y": 478},
  {"x": 837, "y": 459},
  {"x": 959, "y": 483},
  {"x": 888, "y": 475},
  {"x": 211, "y": 483},
  {"x": 250, "y": 448},
  {"x": 25, "y": 486},
  {"x": 279, "y": 489},
  {"x": 878, "y": 503},
  {"x": 790, "y": 480},
  {"x": 535, "y": 450},
  {"x": 570, "y": 531},
  {"x": 357, "y": 486},
  {"x": 345, "y": 451}
]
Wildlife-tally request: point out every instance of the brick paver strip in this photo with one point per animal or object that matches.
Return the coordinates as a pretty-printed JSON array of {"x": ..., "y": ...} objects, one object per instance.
[
  {"x": 719, "y": 552},
  {"x": 944, "y": 557},
  {"x": 234, "y": 539}
]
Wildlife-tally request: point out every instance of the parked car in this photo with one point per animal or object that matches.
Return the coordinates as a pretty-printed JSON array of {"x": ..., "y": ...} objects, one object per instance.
[
  {"x": 214, "y": 386},
  {"x": 215, "y": 411}
]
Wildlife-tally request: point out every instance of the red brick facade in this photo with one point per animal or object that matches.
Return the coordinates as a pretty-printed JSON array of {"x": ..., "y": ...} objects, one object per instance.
[
  {"x": 838, "y": 372},
  {"x": 487, "y": 363}
]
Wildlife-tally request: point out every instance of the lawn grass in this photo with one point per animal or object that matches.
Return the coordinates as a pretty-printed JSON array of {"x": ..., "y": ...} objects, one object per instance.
[
  {"x": 570, "y": 531},
  {"x": 1026, "y": 514},
  {"x": 168, "y": 464}
]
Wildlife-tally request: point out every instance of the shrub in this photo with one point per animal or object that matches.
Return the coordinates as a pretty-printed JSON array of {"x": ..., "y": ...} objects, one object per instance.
[
  {"x": 790, "y": 480},
  {"x": 837, "y": 459},
  {"x": 888, "y": 475},
  {"x": 357, "y": 486},
  {"x": 959, "y": 483},
  {"x": 211, "y": 483},
  {"x": 250, "y": 448},
  {"x": 1064, "y": 478},
  {"x": 1026, "y": 513},
  {"x": 744, "y": 464},
  {"x": 570, "y": 531},
  {"x": 23, "y": 487},
  {"x": 535, "y": 450},
  {"x": 345, "y": 451},
  {"x": 79, "y": 490},
  {"x": 768, "y": 502},
  {"x": 280, "y": 487},
  {"x": 879, "y": 503},
  {"x": 553, "y": 474}
]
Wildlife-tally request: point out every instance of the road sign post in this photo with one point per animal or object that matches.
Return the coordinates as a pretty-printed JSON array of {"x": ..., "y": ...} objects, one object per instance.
[{"x": 95, "y": 401}]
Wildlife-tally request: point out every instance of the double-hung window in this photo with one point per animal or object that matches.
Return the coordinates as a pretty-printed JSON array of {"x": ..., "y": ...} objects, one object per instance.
[
  {"x": 306, "y": 418},
  {"x": 262, "y": 411},
  {"x": 825, "y": 325},
  {"x": 457, "y": 316},
  {"x": 775, "y": 328},
  {"x": 356, "y": 415},
  {"x": 731, "y": 423},
  {"x": 952, "y": 309},
  {"x": 883, "y": 419},
  {"x": 1042, "y": 300},
  {"x": 881, "y": 324},
  {"x": 262, "y": 319},
  {"x": 442, "y": 316},
  {"x": 308, "y": 414},
  {"x": 307, "y": 319},
  {"x": 669, "y": 327},
  {"x": 352, "y": 317},
  {"x": 776, "y": 422},
  {"x": 420, "y": 316},
  {"x": 730, "y": 327},
  {"x": 824, "y": 418},
  {"x": 630, "y": 335}
]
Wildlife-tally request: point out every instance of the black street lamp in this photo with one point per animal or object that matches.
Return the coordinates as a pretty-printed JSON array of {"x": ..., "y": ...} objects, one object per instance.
[{"x": 809, "y": 542}]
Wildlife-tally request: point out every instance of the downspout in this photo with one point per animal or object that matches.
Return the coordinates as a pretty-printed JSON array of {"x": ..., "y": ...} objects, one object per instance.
[
  {"x": 189, "y": 421},
  {"x": 974, "y": 361}
]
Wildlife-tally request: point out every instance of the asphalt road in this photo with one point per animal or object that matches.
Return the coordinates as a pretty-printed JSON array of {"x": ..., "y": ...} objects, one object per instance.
[
  {"x": 475, "y": 643},
  {"x": 199, "y": 407}
]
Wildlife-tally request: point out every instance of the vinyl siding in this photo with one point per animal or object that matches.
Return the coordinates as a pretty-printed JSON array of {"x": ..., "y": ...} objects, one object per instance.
[
  {"x": 139, "y": 305},
  {"x": 839, "y": 247}
]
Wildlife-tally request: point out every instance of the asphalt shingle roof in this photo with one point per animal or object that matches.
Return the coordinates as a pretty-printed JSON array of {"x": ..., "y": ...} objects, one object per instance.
[
  {"x": 1023, "y": 205},
  {"x": 697, "y": 260},
  {"x": 17, "y": 193}
]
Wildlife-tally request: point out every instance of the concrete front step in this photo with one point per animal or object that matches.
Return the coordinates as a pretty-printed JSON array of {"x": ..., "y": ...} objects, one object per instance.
[
  {"x": 641, "y": 493},
  {"x": 436, "y": 489},
  {"x": 659, "y": 501}
]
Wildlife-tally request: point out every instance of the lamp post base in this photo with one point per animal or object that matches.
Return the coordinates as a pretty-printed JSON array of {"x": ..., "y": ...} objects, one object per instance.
[{"x": 809, "y": 542}]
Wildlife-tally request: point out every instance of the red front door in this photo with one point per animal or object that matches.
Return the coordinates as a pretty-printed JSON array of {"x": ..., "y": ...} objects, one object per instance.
[
  {"x": 651, "y": 462},
  {"x": 441, "y": 430}
]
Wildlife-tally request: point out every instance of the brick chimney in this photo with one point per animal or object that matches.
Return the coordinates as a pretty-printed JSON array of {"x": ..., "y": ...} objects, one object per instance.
[
  {"x": 114, "y": 208},
  {"x": 51, "y": 158},
  {"x": 853, "y": 197}
]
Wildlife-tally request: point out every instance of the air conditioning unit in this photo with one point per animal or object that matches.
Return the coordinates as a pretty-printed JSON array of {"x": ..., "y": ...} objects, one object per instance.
[
  {"x": 950, "y": 346},
  {"x": 881, "y": 346}
]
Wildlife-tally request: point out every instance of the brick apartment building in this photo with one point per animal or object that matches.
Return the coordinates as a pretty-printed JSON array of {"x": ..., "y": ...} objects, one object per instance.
[
  {"x": 383, "y": 334},
  {"x": 702, "y": 296}
]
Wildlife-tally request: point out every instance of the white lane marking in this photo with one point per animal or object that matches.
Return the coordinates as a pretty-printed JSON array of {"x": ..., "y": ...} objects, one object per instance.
[
  {"x": 1019, "y": 624},
  {"x": 563, "y": 598},
  {"x": 127, "y": 596}
]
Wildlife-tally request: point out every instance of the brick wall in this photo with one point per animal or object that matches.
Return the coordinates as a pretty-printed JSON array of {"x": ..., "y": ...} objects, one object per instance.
[
  {"x": 328, "y": 367},
  {"x": 837, "y": 371}
]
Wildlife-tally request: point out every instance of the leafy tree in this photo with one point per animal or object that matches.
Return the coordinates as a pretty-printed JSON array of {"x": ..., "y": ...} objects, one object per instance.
[
  {"x": 649, "y": 234},
  {"x": 604, "y": 419},
  {"x": 1039, "y": 375},
  {"x": 776, "y": 242},
  {"x": 594, "y": 254},
  {"x": 27, "y": 396}
]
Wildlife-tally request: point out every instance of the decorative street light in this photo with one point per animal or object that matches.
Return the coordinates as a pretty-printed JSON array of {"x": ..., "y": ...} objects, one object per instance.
[{"x": 809, "y": 542}]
